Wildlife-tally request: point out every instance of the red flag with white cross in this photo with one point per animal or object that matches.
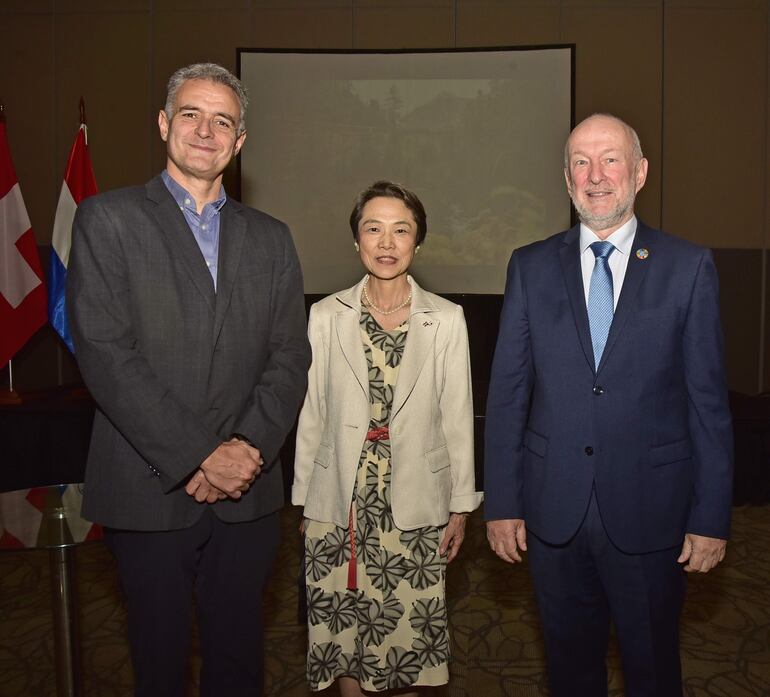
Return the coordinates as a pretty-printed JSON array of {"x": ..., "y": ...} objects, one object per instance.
[{"x": 22, "y": 291}]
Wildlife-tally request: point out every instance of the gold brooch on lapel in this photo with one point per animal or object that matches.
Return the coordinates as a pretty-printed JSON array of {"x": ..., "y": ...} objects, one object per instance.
[{"x": 642, "y": 253}]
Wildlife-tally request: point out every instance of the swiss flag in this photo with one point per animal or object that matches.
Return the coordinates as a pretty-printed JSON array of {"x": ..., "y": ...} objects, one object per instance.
[{"x": 22, "y": 291}]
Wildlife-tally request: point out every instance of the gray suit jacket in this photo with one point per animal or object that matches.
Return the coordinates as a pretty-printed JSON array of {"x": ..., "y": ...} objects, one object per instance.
[{"x": 174, "y": 366}]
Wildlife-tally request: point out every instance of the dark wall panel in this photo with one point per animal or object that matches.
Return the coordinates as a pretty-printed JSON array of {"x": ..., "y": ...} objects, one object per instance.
[{"x": 740, "y": 286}]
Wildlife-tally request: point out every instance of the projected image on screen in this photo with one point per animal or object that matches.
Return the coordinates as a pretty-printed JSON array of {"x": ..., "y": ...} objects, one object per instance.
[{"x": 478, "y": 135}]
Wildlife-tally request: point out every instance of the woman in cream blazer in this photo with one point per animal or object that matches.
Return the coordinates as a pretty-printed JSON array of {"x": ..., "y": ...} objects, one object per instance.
[
  {"x": 431, "y": 423},
  {"x": 385, "y": 486}
]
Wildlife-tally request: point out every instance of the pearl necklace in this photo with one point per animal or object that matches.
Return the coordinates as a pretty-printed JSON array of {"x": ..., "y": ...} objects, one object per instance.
[{"x": 384, "y": 312}]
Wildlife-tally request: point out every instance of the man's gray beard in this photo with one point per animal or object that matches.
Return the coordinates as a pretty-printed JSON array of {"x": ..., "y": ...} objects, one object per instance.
[{"x": 616, "y": 216}]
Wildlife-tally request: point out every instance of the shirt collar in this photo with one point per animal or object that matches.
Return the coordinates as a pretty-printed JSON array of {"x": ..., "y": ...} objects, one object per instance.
[
  {"x": 185, "y": 199},
  {"x": 622, "y": 238}
]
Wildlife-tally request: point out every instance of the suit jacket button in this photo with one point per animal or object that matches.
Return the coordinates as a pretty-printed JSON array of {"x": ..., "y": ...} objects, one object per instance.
[
  {"x": 589, "y": 450},
  {"x": 598, "y": 389}
]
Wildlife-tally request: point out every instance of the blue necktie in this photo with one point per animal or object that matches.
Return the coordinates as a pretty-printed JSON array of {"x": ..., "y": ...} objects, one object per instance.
[{"x": 600, "y": 298}]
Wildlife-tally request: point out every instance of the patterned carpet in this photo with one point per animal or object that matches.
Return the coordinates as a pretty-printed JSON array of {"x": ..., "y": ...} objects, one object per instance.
[{"x": 497, "y": 645}]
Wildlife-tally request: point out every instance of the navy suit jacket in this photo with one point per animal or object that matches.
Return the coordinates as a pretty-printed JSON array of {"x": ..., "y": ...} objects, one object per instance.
[{"x": 650, "y": 429}]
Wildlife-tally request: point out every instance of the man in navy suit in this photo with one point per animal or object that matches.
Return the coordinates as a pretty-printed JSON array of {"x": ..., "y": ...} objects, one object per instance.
[{"x": 608, "y": 440}]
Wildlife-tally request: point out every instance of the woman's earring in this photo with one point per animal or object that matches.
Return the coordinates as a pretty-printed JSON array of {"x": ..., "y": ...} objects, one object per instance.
[
  {"x": 355, "y": 244},
  {"x": 417, "y": 249}
]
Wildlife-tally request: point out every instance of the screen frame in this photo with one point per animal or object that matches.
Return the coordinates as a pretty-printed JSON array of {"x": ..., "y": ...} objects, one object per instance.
[{"x": 571, "y": 47}]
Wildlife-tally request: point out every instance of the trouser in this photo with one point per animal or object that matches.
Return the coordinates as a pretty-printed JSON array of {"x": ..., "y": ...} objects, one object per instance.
[
  {"x": 226, "y": 567},
  {"x": 581, "y": 586}
]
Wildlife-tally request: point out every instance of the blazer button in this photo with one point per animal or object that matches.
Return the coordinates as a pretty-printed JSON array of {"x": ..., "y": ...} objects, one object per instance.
[
  {"x": 589, "y": 450},
  {"x": 598, "y": 389}
]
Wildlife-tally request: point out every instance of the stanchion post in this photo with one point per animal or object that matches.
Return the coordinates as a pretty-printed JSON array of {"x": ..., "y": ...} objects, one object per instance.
[{"x": 66, "y": 634}]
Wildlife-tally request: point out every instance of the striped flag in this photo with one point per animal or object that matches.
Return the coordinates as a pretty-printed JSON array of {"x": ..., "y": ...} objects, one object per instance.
[
  {"x": 22, "y": 292},
  {"x": 79, "y": 183}
]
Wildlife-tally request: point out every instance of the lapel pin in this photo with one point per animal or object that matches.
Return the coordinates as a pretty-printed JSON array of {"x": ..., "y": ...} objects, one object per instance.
[
  {"x": 426, "y": 323},
  {"x": 642, "y": 253}
]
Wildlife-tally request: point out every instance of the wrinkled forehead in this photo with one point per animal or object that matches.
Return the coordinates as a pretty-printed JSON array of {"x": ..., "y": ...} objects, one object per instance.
[
  {"x": 599, "y": 133},
  {"x": 207, "y": 91}
]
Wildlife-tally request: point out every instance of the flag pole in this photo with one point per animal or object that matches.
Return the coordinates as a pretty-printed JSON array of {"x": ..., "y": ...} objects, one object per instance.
[
  {"x": 83, "y": 121},
  {"x": 9, "y": 396}
]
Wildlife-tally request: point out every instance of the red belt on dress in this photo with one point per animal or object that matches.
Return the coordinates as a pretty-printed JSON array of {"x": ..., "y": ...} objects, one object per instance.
[{"x": 379, "y": 433}]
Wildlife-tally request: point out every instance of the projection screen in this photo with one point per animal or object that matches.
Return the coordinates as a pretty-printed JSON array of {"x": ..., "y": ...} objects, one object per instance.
[{"x": 478, "y": 135}]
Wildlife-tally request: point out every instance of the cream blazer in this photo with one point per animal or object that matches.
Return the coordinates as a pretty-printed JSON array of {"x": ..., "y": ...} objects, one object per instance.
[{"x": 431, "y": 424}]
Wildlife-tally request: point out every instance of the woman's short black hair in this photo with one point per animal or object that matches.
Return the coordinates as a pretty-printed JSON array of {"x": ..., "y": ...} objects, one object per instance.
[{"x": 390, "y": 190}]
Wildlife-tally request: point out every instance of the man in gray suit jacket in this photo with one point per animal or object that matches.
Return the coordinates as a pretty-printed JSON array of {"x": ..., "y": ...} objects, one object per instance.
[{"x": 188, "y": 320}]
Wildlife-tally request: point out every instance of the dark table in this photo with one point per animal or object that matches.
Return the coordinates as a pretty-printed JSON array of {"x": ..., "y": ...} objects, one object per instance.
[{"x": 44, "y": 440}]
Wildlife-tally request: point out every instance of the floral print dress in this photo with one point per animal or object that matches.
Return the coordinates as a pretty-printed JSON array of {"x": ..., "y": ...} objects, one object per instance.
[{"x": 382, "y": 622}]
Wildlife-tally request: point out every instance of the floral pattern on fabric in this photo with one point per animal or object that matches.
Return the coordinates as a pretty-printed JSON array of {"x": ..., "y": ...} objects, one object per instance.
[{"x": 391, "y": 631}]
